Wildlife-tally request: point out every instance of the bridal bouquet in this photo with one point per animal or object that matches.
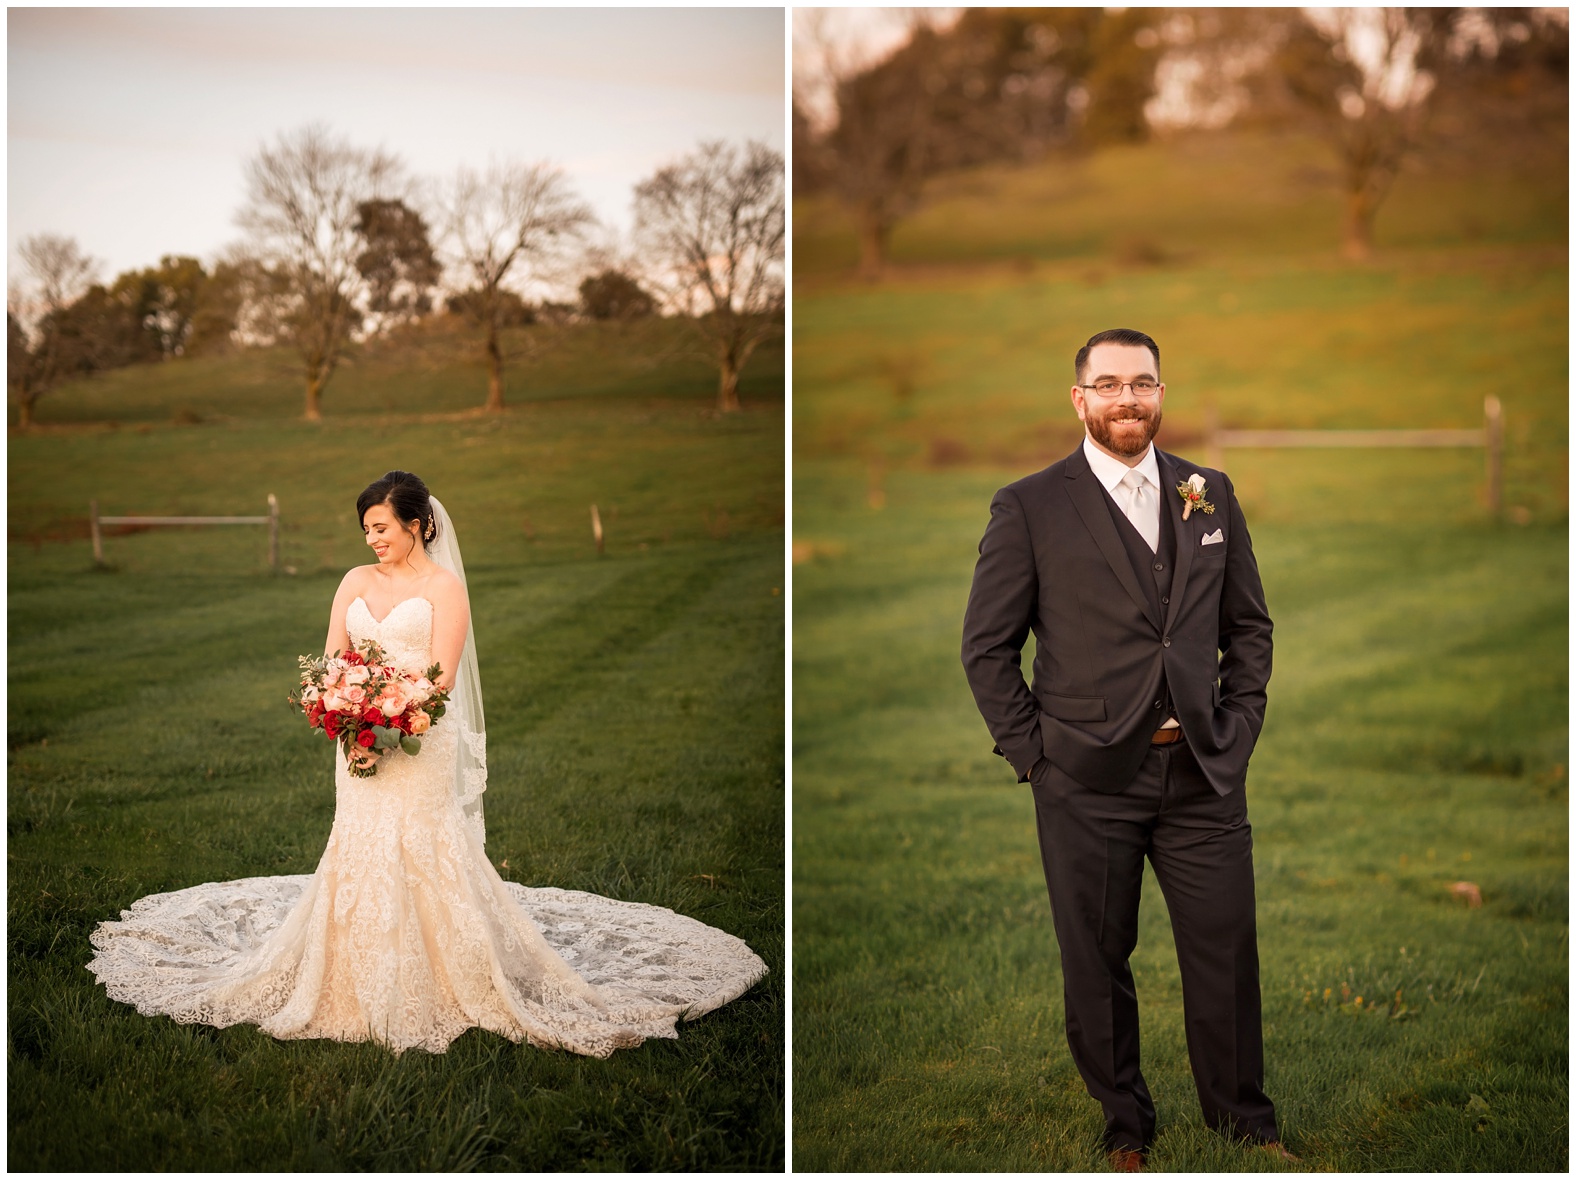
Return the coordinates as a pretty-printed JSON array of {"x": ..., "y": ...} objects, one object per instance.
[{"x": 367, "y": 706}]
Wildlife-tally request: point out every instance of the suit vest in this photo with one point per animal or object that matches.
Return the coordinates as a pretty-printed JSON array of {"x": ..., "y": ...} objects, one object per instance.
[{"x": 1153, "y": 570}]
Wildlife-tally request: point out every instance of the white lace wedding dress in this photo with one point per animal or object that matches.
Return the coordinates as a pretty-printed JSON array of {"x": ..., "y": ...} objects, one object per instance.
[{"x": 407, "y": 935}]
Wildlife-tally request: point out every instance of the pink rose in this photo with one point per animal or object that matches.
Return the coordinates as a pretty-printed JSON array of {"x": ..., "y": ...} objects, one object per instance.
[
  {"x": 357, "y": 674},
  {"x": 420, "y": 722},
  {"x": 355, "y": 694},
  {"x": 394, "y": 698}
]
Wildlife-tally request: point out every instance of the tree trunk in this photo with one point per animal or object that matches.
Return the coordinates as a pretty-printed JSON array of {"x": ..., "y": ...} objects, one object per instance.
[
  {"x": 24, "y": 412},
  {"x": 873, "y": 234},
  {"x": 494, "y": 371},
  {"x": 728, "y": 387},
  {"x": 1357, "y": 235},
  {"x": 314, "y": 397}
]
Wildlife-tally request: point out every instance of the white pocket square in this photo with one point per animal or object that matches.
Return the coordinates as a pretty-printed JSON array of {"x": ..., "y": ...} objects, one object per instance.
[{"x": 1213, "y": 538}]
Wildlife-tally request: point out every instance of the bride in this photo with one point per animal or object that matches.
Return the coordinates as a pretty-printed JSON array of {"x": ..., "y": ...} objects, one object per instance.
[{"x": 406, "y": 934}]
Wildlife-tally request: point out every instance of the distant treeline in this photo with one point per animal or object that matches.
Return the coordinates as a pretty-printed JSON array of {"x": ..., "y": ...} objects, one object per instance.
[
  {"x": 341, "y": 249},
  {"x": 1017, "y": 83},
  {"x": 182, "y": 308}
]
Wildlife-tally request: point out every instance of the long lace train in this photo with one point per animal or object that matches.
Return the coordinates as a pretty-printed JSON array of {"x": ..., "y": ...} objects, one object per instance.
[{"x": 194, "y": 955}]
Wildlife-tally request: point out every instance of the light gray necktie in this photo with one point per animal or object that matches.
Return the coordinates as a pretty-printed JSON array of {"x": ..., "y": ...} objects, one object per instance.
[{"x": 1140, "y": 509}]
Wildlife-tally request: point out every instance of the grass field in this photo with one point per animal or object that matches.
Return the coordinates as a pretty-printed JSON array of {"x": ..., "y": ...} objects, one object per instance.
[
  {"x": 1195, "y": 197},
  {"x": 437, "y": 369},
  {"x": 1416, "y": 733},
  {"x": 635, "y": 710}
]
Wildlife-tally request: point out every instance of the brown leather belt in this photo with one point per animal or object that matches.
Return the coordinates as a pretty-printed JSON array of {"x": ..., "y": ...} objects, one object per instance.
[{"x": 1164, "y": 737}]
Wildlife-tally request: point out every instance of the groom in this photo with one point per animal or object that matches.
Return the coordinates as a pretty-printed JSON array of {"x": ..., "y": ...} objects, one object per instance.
[{"x": 1134, "y": 571}]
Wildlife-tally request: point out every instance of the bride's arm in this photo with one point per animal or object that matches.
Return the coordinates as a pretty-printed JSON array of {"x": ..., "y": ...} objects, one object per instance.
[
  {"x": 338, "y": 636},
  {"x": 450, "y": 616}
]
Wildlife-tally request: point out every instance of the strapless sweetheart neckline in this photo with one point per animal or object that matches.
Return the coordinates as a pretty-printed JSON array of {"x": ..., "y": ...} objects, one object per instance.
[{"x": 392, "y": 609}]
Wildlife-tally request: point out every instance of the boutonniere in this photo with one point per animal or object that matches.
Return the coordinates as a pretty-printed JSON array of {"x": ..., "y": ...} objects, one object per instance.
[{"x": 1192, "y": 493}]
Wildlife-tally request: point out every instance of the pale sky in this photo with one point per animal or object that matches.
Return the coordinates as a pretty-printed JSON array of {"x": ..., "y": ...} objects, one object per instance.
[{"x": 129, "y": 127}]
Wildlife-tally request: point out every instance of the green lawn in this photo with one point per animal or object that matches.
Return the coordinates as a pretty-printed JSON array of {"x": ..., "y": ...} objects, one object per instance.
[
  {"x": 1194, "y": 197},
  {"x": 635, "y": 710},
  {"x": 1416, "y": 734},
  {"x": 436, "y": 369}
]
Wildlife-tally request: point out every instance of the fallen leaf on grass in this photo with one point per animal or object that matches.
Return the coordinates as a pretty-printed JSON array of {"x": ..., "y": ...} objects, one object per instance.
[{"x": 1469, "y": 893}]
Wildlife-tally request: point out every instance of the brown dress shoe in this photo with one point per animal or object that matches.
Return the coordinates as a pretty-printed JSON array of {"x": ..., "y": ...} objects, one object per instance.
[
  {"x": 1123, "y": 1160},
  {"x": 1276, "y": 1147}
]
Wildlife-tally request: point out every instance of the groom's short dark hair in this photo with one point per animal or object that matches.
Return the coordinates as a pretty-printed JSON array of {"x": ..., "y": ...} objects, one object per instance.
[{"x": 1115, "y": 336}]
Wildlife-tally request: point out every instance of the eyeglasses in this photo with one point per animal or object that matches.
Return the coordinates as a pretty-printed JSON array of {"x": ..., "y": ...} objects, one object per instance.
[{"x": 1110, "y": 387}]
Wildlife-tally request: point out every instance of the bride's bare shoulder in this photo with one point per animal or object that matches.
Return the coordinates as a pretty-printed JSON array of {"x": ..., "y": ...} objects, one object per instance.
[
  {"x": 357, "y": 579},
  {"x": 444, "y": 584}
]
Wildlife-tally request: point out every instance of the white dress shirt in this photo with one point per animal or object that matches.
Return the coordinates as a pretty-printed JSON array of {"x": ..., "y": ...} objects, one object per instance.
[{"x": 1110, "y": 472}]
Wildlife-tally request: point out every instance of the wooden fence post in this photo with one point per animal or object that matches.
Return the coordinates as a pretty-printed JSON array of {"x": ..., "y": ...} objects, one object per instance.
[
  {"x": 98, "y": 538},
  {"x": 273, "y": 532},
  {"x": 1493, "y": 446}
]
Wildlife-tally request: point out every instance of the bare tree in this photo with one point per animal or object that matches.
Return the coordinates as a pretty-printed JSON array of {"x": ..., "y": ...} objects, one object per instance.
[
  {"x": 512, "y": 224},
  {"x": 876, "y": 149},
  {"x": 57, "y": 273},
  {"x": 711, "y": 229},
  {"x": 304, "y": 198},
  {"x": 989, "y": 84},
  {"x": 1366, "y": 75}
]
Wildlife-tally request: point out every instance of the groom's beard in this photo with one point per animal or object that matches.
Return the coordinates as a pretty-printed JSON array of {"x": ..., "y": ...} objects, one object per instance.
[{"x": 1125, "y": 440}]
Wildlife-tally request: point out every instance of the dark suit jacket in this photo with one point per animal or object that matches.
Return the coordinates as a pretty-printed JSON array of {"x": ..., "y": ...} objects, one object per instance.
[{"x": 1051, "y": 561}]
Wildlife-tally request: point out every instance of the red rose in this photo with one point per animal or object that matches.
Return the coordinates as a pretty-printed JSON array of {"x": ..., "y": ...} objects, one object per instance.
[
  {"x": 365, "y": 739},
  {"x": 331, "y": 725},
  {"x": 401, "y": 723},
  {"x": 354, "y": 657},
  {"x": 372, "y": 715}
]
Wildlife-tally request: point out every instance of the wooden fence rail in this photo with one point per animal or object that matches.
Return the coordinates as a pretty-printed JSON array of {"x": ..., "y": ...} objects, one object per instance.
[
  {"x": 1491, "y": 438},
  {"x": 271, "y": 520}
]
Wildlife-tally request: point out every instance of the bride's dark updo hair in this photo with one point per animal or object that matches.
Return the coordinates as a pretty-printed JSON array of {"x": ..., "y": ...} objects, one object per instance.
[{"x": 406, "y": 496}]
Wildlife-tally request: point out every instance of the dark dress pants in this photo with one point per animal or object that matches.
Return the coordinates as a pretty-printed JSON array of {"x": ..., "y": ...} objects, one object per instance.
[{"x": 1093, "y": 846}]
